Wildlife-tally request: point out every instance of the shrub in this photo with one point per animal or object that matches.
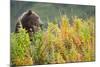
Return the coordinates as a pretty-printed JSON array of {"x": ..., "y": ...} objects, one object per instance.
[
  {"x": 20, "y": 45},
  {"x": 68, "y": 43}
]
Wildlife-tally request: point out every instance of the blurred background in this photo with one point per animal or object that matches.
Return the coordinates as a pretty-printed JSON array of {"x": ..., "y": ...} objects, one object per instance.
[{"x": 49, "y": 11}]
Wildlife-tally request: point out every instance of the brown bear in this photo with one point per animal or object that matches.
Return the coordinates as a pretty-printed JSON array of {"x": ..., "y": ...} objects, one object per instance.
[{"x": 30, "y": 21}]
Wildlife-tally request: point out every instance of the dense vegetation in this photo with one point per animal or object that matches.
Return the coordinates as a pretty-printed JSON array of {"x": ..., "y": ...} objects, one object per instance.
[{"x": 68, "y": 42}]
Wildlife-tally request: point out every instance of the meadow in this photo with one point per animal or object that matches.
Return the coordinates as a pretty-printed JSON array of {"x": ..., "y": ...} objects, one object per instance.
[{"x": 66, "y": 42}]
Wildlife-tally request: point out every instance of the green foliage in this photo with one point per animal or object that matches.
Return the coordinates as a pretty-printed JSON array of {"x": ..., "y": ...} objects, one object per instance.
[
  {"x": 19, "y": 47},
  {"x": 68, "y": 43},
  {"x": 37, "y": 42}
]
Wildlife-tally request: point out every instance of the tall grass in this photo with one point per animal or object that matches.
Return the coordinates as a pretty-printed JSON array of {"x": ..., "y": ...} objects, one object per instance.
[
  {"x": 20, "y": 48},
  {"x": 71, "y": 42}
]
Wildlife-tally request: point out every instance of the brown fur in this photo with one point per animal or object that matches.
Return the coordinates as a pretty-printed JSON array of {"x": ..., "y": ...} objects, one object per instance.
[{"x": 30, "y": 21}]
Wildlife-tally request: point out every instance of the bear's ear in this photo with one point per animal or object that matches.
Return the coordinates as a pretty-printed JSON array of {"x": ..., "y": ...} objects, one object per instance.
[{"x": 29, "y": 12}]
